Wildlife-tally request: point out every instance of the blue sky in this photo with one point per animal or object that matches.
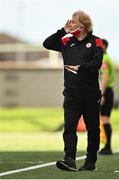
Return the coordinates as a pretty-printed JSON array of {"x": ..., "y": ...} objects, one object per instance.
[{"x": 34, "y": 20}]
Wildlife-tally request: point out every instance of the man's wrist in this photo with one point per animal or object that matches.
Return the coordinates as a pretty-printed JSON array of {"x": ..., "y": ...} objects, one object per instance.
[{"x": 78, "y": 66}]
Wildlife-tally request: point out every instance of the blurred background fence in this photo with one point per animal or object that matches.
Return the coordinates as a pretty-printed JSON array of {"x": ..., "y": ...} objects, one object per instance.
[
  {"x": 31, "y": 76},
  {"x": 32, "y": 85}
]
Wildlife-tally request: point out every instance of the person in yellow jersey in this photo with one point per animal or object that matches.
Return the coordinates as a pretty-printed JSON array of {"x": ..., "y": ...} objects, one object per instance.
[{"x": 107, "y": 84}]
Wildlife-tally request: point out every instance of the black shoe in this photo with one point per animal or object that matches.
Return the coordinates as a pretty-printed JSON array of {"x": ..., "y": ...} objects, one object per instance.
[
  {"x": 67, "y": 165},
  {"x": 88, "y": 166},
  {"x": 105, "y": 151}
]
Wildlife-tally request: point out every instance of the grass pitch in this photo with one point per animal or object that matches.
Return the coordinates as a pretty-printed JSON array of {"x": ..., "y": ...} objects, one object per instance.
[
  {"x": 38, "y": 119},
  {"x": 106, "y": 165},
  {"x": 26, "y": 150},
  {"x": 28, "y": 138}
]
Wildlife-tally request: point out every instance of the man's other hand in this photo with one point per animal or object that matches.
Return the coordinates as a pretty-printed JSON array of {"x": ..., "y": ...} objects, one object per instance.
[
  {"x": 67, "y": 26},
  {"x": 73, "y": 68}
]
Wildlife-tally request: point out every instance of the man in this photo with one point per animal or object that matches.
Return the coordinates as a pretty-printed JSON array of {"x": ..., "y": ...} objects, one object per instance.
[
  {"x": 107, "y": 83},
  {"x": 82, "y": 55}
]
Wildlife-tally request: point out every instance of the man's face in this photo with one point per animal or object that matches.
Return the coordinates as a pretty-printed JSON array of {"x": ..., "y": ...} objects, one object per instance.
[{"x": 75, "y": 23}]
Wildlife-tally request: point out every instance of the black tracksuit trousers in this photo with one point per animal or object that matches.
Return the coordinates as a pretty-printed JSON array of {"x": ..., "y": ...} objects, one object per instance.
[{"x": 75, "y": 105}]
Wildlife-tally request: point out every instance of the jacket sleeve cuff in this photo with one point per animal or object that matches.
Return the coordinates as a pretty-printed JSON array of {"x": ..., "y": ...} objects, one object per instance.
[
  {"x": 61, "y": 32},
  {"x": 82, "y": 67}
]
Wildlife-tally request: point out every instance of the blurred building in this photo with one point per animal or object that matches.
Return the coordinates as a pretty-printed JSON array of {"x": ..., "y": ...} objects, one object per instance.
[
  {"x": 30, "y": 75},
  {"x": 14, "y": 49}
]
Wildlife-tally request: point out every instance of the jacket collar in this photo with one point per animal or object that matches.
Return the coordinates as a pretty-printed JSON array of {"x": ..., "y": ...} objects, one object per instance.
[{"x": 87, "y": 37}]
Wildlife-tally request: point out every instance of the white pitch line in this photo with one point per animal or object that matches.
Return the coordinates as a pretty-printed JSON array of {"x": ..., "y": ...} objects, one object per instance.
[
  {"x": 117, "y": 171},
  {"x": 80, "y": 158},
  {"x": 40, "y": 166},
  {"x": 34, "y": 167}
]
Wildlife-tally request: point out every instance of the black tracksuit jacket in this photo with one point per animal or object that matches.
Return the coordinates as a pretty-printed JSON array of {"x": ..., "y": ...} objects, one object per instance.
[{"x": 88, "y": 53}]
